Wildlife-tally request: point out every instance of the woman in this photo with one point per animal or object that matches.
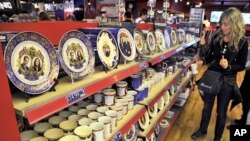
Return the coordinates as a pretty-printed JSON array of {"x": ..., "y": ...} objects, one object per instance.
[
  {"x": 227, "y": 42},
  {"x": 37, "y": 65}
]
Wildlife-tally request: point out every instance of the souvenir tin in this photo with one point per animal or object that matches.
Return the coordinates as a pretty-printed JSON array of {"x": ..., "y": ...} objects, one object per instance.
[
  {"x": 126, "y": 44},
  {"x": 107, "y": 49},
  {"x": 31, "y": 62},
  {"x": 76, "y": 54}
]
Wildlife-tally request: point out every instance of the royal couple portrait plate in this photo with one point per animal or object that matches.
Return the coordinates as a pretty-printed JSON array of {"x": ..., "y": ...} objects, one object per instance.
[
  {"x": 31, "y": 62},
  {"x": 107, "y": 49},
  {"x": 126, "y": 44},
  {"x": 140, "y": 42},
  {"x": 76, "y": 54},
  {"x": 160, "y": 41}
]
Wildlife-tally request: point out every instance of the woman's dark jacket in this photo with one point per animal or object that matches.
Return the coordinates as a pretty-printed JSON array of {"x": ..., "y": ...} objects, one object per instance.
[{"x": 236, "y": 62}]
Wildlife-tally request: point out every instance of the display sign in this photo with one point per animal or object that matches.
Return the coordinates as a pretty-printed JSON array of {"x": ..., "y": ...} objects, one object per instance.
[
  {"x": 68, "y": 6},
  {"x": 76, "y": 95},
  {"x": 196, "y": 15},
  {"x": 5, "y": 5},
  {"x": 215, "y": 17}
]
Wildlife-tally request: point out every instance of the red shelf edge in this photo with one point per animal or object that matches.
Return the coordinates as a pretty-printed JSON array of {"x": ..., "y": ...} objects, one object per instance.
[
  {"x": 36, "y": 114},
  {"x": 132, "y": 121}
]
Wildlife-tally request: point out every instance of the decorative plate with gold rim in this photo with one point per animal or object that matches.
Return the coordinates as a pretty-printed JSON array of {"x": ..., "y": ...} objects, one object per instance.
[
  {"x": 140, "y": 42},
  {"x": 160, "y": 41},
  {"x": 31, "y": 62},
  {"x": 126, "y": 44},
  {"x": 76, "y": 54},
  {"x": 107, "y": 49},
  {"x": 151, "y": 41},
  {"x": 173, "y": 37}
]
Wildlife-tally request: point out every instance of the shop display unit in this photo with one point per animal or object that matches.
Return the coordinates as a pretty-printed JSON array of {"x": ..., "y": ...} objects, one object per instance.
[{"x": 66, "y": 94}]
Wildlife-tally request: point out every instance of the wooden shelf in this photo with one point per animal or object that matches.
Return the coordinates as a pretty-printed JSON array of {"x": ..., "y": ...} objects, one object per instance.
[{"x": 48, "y": 103}]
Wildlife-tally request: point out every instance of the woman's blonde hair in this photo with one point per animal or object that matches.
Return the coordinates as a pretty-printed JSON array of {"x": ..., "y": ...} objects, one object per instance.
[{"x": 235, "y": 19}]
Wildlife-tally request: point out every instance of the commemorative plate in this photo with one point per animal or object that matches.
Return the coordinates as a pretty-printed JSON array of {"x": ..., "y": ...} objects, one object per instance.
[
  {"x": 173, "y": 37},
  {"x": 76, "y": 54},
  {"x": 131, "y": 134},
  {"x": 144, "y": 121},
  {"x": 126, "y": 44},
  {"x": 140, "y": 42},
  {"x": 152, "y": 111},
  {"x": 160, "y": 41},
  {"x": 107, "y": 49},
  {"x": 31, "y": 62},
  {"x": 167, "y": 38},
  {"x": 151, "y": 41}
]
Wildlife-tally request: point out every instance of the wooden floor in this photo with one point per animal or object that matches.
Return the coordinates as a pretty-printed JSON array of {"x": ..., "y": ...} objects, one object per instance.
[{"x": 189, "y": 119}]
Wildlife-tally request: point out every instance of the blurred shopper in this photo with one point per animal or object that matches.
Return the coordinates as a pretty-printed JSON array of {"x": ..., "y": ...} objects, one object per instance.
[
  {"x": 43, "y": 16},
  {"x": 127, "y": 17},
  {"x": 226, "y": 43},
  {"x": 142, "y": 16}
]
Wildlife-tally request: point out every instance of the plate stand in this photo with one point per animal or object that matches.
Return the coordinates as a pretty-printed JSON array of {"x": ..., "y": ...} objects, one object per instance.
[
  {"x": 105, "y": 68},
  {"x": 52, "y": 89},
  {"x": 27, "y": 96}
]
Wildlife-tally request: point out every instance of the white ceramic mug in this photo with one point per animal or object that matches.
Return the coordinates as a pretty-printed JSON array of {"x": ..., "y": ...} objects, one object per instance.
[
  {"x": 118, "y": 107},
  {"x": 107, "y": 125},
  {"x": 121, "y": 88},
  {"x": 83, "y": 112},
  {"x": 84, "y": 132},
  {"x": 124, "y": 102},
  {"x": 70, "y": 138},
  {"x": 85, "y": 121},
  {"x": 102, "y": 109},
  {"x": 98, "y": 130},
  {"x": 194, "y": 68},
  {"x": 98, "y": 97},
  {"x": 109, "y": 96},
  {"x": 113, "y": 114}
]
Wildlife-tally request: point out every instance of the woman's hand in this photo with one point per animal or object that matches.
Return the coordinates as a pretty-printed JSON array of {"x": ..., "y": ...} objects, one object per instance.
[
  {"x": 223, "y": 62},
  {"x": 202, "y": 38}
]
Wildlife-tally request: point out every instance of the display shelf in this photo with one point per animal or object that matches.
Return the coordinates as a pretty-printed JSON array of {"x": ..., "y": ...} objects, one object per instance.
[
  {"x": 160, "y": 115},
  {"x": 67, "y": 93},
  {"x": 170, "y": 52},
  {"x": 171, "y": 124},
  {"x": 127, "y": 121}
]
